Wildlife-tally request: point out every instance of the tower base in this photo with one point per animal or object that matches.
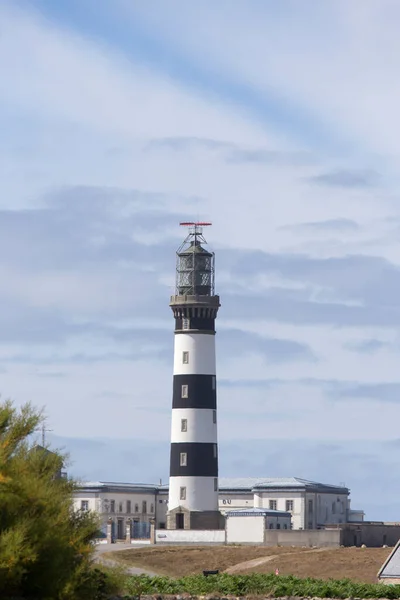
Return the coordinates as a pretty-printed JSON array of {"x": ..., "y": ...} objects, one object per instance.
[{"x": 182, "y": 518}]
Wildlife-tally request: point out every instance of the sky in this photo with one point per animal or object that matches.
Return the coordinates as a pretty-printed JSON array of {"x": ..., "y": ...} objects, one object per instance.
[{"x": 276, "y": 121}]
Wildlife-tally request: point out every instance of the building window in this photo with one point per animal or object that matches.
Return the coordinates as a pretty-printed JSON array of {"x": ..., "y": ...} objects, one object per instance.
[
  {"x": 185, "y": 357},
  {"x": 272, "y": 504},
  {"x": 213, "y": 382},
  {"x": 215, "y": 450},
  {"x": 333, "y": 508},
  {"x": 120, "y": 507},
  {"x": 214, "y": 416},
  {"x": 289, "y": 505},
  {"x": 215, "y": 484},
  {"x": 151, "y": 509},
  {"x": 278, "y": 525},
  {"x": 182, "y": 493},
  {"x": 271, "y": 525},
  {"x": 136, "y": 508},
  {"x": 112, "y": 506},
  {"x": 84, "y": 504},
  {"x": 183, "y": 459},
  {"x": 284, "y": 526},
  {"x": 160, "y": 502},
  {"x": 185, "y": 391},
  {"x": 310, "y": 506},
  {"x": 144, "y": 507},
  {"x": 185, "y": 323},
  {"x": 128, "y": 506},
  {"x": 184, "y": 425},
  {"x": 162, "y": 525}
]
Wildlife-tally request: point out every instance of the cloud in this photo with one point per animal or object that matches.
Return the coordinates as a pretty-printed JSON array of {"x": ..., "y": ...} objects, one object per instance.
[
  {"x": 347, "y": 179},
  {"x": 238, "y": 343},
  {"x": 232, "y": 153},
  {"x": 351, "y": 290},
  {"x": 382, "y": 392},
  {"x": 330, "y": 225},
  {"x": 368, "y": 346},
  {"x": 293, "y": 76}
]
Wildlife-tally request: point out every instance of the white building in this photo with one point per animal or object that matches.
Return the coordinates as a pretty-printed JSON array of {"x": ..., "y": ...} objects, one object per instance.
[
  {"x": 253, "y": 523},
  {"x": 312, "y": 505}
]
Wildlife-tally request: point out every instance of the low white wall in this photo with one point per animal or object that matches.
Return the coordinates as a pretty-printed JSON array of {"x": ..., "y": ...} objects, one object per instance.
[
  {"x": 140, "y": 542},
  {"x": 191, "y": 536},
  {"x": 245, "y": 529}
]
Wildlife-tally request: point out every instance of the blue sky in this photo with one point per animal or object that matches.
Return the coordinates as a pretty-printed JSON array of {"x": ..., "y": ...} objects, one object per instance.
[{"x": 276, "y": 121}]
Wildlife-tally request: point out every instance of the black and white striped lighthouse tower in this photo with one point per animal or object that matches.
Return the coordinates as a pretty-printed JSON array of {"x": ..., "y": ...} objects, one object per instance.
[{"x": 193, "y": 483}]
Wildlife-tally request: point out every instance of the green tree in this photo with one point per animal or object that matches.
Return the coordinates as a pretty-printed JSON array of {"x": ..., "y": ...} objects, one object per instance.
[{"x": 46, "y": 548}]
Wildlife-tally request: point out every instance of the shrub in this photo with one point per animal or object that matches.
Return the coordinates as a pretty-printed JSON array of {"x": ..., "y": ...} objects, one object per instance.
[
  {"x": 46, "y": 548},
  {"x": 259, "y": 584}
]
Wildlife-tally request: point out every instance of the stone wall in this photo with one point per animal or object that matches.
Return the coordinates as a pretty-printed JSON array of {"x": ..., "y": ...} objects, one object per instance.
[
  {"x": 373, "y": 535},
  {"x": 323, "y": 538},
  {"x": 205, "y": 520}
]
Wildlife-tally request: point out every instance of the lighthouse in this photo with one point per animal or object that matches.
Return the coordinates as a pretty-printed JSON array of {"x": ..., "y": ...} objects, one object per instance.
[{"x": 193, "y": 482}]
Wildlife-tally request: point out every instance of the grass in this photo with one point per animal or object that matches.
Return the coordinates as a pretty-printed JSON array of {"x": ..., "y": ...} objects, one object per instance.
[{"x": 357, "y": 564}]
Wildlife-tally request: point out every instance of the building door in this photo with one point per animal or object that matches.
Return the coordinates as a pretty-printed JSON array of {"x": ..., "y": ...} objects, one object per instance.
[
  {"x": 180, "y": 520},
  {"x": 120, "y": 529}
]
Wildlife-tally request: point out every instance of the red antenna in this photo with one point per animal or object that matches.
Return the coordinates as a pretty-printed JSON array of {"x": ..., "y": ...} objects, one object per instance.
[{"x": 195, "y": 224}]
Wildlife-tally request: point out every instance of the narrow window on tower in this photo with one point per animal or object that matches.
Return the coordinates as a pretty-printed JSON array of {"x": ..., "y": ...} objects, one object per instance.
[
  {"x": 185, "y": 391},
  {"x": 184, "y": 425},
  {"x": 214, "y": 416},
  {"x": 185, "y": 357},
  {"x": 183, "y": 459},
  {"x": 215, "y": 450},
  {"x": 213, "y": 382},
  {"x": 182, "y": 494},
  {"x": 215, "y": 484},
  {"x": 185, "y": 323}
]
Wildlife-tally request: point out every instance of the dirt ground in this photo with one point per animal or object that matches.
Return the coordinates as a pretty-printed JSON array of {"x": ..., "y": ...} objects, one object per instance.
[
  {"x": 360, "y": 564},
  {"x": 178, "y": 561}
]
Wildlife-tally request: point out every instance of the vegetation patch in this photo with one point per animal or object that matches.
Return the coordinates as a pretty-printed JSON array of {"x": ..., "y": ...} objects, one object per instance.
[{"x": 256, "y": 584}]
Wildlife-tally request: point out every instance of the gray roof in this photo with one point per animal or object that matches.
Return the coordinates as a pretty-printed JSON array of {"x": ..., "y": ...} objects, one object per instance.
[
  {"x": 245, "y": 484},
  {"x": 249, "y": 483},
  {"x": 391, "y": 567},
  {"x": 106, "y": 485},
  {"x": 258, "y": 512}
]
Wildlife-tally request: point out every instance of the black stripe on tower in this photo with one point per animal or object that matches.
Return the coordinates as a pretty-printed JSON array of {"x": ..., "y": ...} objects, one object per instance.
[
  {"x": 196, "y": 323},
  {"x": 199, "y": 393},
  {"x": 201, "y": 460}
]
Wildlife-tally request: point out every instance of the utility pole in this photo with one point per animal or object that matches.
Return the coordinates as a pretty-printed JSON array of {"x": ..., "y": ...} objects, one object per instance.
[{"x": 43, "y": 430}]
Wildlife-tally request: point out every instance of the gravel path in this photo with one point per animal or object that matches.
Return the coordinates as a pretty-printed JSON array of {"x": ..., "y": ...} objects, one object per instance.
[
  {"x": 249, "y": 564},
  {"x": 103, "y": 548}
]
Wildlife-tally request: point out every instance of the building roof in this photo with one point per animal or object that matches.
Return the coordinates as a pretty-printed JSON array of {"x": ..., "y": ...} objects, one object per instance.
[
  {"x": 107, "y": 485},
  {"x": 391, "y": 567},
  {"x": 250, "y": 483},
  {"x": 258, "y": 512},
  {"x": 245, "y": 484}
]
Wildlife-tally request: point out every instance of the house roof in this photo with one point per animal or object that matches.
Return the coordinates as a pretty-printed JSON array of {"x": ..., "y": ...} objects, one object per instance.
[
  {"x": 246, "y": 483},
  {"x": 391, "y": 566}
]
